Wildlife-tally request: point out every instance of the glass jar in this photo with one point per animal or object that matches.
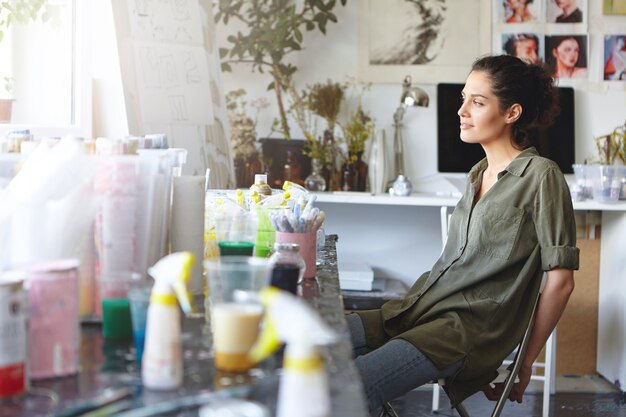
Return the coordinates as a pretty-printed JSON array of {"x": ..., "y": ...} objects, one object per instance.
[
  {"x": 287, "y": 267},
  {"x": 315, "y": 181}
]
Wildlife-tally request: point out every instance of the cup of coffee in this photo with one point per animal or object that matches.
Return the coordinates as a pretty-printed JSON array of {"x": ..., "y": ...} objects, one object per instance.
[{"x": 234, "y": 312}]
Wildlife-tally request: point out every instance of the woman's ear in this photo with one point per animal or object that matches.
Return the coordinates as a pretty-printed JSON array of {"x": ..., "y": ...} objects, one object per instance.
[{"x": 513, "y": 113}]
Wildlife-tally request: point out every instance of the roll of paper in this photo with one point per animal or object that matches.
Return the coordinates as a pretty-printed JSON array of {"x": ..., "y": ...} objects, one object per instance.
[{"x": 187, "y": 229}]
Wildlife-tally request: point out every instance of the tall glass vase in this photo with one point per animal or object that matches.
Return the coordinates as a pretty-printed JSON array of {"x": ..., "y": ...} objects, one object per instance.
[
  {"x": 377, "y": 172},
  {"x": 315, "y": 181}
]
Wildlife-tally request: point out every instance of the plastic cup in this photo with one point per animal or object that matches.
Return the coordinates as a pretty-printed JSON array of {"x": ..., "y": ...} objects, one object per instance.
[
  {"x": 234, "y": 315},
  {"x": 139, "y": 299},
  {"x": 116, "y": 321},
  {"x": 236, "y": 233}
]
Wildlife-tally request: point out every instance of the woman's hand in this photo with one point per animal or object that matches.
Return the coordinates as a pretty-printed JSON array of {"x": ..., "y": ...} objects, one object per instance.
[{"x": 494, "y": 391}]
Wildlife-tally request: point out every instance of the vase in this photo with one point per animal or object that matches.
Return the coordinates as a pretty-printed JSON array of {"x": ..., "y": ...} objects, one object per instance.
[
  {"x": 354, "y": 173},
  {"x": 315, "y": 181},
  {"x": 377, "y": 170},
  {"x": 245, "y": 169}
]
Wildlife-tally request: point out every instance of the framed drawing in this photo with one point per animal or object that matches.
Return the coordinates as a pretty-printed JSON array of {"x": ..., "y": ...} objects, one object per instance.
[
  {"x": 614, "y": 7},
  {"x": 431, "y": 40}
]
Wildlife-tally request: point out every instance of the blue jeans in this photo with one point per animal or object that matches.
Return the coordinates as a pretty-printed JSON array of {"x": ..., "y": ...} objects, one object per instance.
[{"x": 393, "y": 369}]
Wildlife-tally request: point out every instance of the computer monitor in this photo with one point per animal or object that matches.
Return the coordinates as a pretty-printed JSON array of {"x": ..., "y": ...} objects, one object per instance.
[{"x": 455, "y": 156}]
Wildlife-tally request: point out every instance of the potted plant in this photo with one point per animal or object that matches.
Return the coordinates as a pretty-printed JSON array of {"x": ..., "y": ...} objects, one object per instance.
[
  {"x": 246, "y": 153},
  {"x": 606, "y": 176},
  {"x": 274, "y": 31},
  {"x": 14, "y": 12}
]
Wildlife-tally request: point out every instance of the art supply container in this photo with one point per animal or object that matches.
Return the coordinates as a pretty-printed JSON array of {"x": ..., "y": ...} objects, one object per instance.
[
  {"x": 116, "y": 320},
  {"x": 308, "y": 243},
  {"x": 266, "y": 234},
  {"x": 53, "y": 318},
  {"x": 287, "y": 267},
  {"x": 13, "y": 335},
  {"x": 607, "y": 182},
  {"x": 234, "y": 315},
  {"x": 139, "y": 299},
  {"x": 236, "y": 233}
]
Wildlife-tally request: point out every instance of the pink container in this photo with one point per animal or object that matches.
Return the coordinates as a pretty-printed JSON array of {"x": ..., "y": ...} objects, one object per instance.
[
  {"x": 307, "y": 242},
  {"x": 13, "y": 358},
  {"x": 53, "y": 317}
]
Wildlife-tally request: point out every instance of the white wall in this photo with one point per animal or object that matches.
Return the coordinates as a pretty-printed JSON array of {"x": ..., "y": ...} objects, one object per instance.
[{"x": 600, "y": 107}]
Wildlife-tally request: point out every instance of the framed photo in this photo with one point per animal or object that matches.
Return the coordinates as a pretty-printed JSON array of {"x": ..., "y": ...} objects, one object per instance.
[
  {"x": 433, "y": 41},
  {"x": 614, "y": 7},
  {"x": 566, "y": 11},
  {"x": 615, "y": 57},
  {"x": 526, "y": 46},
  {"x": 566, "y": 55},
  {"x": 518, "y": 11}
]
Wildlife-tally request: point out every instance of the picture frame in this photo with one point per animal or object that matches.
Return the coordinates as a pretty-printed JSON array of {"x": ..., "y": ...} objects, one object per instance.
[
  {"x": 614, "y": 7},
  {"x": 387, "y": 54}
]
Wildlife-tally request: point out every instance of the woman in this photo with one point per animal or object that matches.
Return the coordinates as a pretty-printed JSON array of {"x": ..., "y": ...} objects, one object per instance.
[
  {"x": 571, "y": 12},
  {"x": 515, "y": 221},
  {"x": 565, "y": 60},
  {"x": 615, "y": 66},
  {"x": 524, "y": 46},
  {"x": 518, "y": 11}
]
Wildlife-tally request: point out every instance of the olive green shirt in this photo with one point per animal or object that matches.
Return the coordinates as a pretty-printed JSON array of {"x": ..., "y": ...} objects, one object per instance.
[{"x": 476, "y": 302}]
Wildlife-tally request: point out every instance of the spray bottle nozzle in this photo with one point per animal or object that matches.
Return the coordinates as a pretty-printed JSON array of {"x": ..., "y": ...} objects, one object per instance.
[
  {"x": 172, "y": 273},
  {"x": 291, "y": 320}
]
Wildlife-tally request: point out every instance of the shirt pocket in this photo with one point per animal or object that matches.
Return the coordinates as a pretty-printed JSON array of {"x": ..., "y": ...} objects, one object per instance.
[{"x": 494, "y": 228}]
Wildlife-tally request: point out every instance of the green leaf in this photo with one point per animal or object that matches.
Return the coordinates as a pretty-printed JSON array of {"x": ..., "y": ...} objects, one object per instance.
[
  {"x": 226, "y": 67},
  {"x": 332, "y": 17},
  {"x": 223, "y": 53}
]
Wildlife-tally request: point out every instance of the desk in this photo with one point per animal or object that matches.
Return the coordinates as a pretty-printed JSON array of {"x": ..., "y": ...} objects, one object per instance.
[{"x": 111, "y": 364}]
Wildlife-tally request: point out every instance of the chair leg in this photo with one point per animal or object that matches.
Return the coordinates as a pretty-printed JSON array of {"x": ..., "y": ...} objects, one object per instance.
[
  {"x": 435, "y": 397},
  {"x": 387, "y": 411},
  {"x": 460, "y": 409}
]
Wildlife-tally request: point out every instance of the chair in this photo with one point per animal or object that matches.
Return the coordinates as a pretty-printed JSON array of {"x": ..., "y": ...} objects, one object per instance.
[{"x": 388, "y": 411}]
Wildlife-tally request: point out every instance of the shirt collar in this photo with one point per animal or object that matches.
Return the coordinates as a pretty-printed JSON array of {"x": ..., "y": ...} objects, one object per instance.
[{"x": 516, "y": 167}]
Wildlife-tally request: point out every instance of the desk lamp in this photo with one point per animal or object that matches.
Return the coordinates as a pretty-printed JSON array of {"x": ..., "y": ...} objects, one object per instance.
[{"x": 412, "y": 96}]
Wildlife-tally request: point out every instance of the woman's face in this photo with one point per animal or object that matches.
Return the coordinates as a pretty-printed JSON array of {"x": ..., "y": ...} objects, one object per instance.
[
  {"x": 480, "y": 115},
  {"x": 566, "y": 53},
  {"x": 563, "y": 4},
  {"x": 526, "y": 50}
]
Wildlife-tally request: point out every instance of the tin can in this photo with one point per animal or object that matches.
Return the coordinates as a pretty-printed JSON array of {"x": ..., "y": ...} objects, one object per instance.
[
  {"x": 13, "y": 346},
  {"x": 53, "y": 318}
]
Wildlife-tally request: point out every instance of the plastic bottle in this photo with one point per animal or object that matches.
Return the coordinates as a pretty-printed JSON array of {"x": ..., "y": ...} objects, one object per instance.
[
  {"x": 296, "y": 190},
  {"x": 303, "y": 389},
  {"x": 162, "y": 363},
  {"x": 260, "y": 185},
  {"x": 287, "y": 267}
]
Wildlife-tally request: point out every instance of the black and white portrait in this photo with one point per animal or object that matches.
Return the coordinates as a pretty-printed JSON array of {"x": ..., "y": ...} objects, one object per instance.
[
  {"x": 421, "y": 32},
  {"x": 436, "y": 40}
]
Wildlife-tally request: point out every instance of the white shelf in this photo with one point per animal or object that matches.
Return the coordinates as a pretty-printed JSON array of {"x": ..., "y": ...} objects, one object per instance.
[
  {"x": 434, "y": 200},
  {"x": 415, "y": 199}
]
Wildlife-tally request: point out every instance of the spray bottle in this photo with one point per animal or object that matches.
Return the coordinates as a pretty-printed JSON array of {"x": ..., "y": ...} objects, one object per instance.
[
  {"x": 162, "y": 363},
  {"x": 303, "y": 389}
]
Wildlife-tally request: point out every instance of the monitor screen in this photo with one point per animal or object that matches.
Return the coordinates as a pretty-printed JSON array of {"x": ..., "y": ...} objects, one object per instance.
[{"x": 453, "y": 155}]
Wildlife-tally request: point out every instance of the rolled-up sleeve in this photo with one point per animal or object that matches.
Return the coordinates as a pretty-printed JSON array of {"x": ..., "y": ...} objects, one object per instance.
[{"x": 554, "y": 223}]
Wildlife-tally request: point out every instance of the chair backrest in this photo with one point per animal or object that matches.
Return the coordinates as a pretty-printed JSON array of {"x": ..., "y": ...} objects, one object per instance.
[{"x": 519, "y": 357}]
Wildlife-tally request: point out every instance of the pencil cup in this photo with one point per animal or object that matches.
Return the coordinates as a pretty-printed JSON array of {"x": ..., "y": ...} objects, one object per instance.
[{"x": 307, "y": 242}]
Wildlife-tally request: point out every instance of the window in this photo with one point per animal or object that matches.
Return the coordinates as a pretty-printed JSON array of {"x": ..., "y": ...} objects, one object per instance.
[{"x": 48, "y": 67}]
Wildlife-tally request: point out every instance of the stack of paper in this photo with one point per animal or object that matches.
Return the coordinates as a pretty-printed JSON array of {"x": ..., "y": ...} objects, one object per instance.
[{"x": 355, "y": 276}]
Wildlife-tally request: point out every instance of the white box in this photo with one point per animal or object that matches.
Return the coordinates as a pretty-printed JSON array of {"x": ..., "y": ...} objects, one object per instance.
[{"x": 355, "y": 276}]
